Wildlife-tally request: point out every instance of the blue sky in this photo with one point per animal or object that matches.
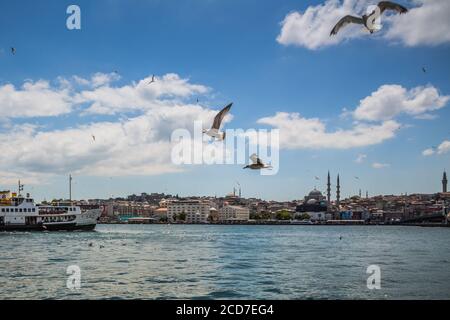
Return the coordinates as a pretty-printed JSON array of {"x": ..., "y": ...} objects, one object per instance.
[{"x": 231, "y": 48}]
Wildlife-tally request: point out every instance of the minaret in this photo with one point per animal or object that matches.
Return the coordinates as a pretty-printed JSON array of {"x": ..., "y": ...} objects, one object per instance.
[
  {"x": 360, "y": 194},
  {"x": 444, "y": 182},
  {"x": 367, "y": 194},
  {"x": 329, "y": 190},
  {"x": 338, "y": 193}
]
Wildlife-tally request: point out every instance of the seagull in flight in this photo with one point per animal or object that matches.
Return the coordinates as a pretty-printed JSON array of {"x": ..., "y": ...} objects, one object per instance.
[
  {"x": 153, "y": 79},
  {"x": 13, "y": 50},
  {"x": 424, "y": 70},
  {"x": 357, "y": 178},
  {"x": 93, "y": 138},
  {"x": 317, "y": 178},
  {"x": 257, "y": 164},
  {"x": 368, "y": 20},
  {"x": 215, "y": 129}
]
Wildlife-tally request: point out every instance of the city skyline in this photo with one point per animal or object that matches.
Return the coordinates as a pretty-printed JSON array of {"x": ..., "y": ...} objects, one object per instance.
[
  {"x": 339, "y": 104},
  {"x": 331, "y": 191}
]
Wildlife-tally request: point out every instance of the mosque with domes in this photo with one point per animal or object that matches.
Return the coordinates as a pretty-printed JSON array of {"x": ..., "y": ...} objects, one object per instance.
[
  {"x": 315, "y": 201},
  {"x": 319, "y": 206}
]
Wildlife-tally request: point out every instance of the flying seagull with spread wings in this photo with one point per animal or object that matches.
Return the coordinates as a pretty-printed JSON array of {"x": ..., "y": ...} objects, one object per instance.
[
  {"x": 368, "y": 20},
  {"x": 215, "y": 129},
  {"x": 257, "y": 164},
  {"x": 153, "y": 79},
  {"x": 13, "y": 50}
]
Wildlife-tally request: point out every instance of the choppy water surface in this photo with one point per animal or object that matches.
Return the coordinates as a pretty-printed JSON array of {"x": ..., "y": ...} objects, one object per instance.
[{"x": 227, "y": 262}]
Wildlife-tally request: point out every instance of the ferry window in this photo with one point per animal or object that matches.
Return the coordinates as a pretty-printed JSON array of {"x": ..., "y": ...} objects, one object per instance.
[
  {"x": 7, "y": 209},
  {"x": 3, "y": 210},
  {"x": 33, "y": 209},
  {"x": 16, "y": 210}
]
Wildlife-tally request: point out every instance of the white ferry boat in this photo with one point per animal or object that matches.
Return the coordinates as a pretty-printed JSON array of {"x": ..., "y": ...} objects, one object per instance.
[{"x": 18, "y": 213}]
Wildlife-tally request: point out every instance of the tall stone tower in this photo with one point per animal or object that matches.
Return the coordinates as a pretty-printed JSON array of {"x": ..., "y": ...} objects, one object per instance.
[
  {"x": 338, "y": 193},
  {"x": 329, "y": 190},
  {"x": 444, "y": 182}
]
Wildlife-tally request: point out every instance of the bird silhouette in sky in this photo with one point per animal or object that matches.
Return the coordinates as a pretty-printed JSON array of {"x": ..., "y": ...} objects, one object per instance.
[
  {"x": 257, "y": 164},
  {"x": 215, "y": 128},
  {"x": 368, "y": 20}
]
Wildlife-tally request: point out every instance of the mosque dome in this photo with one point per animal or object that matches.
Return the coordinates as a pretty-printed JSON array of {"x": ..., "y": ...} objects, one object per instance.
[
  {"x": 311, "y": 201},
  {"x": 315, "y": 193}
]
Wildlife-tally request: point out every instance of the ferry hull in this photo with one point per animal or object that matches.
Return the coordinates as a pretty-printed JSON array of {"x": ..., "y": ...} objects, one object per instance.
[
  {"x": 69, "y": 227},
  {"x": 60, "y": 227},
  {"x": 21, "y": 228}
]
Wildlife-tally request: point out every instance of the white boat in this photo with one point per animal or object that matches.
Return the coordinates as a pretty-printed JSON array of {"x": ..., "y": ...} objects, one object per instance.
[{"x": 18, "y": 213}]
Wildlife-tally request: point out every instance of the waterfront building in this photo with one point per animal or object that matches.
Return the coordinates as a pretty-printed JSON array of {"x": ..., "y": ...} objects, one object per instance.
[
  {"x": 319, "y": 216},
  {"x": 164, "y": 203},
  {"x": 346, "y": 215},
  {"x": 190, "y": 211},
  {"x": 234, "y": 213},
  {"x": 160, "y": 213}
]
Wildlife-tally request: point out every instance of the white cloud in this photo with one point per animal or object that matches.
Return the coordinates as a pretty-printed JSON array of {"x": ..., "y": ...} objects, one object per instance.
[
  {"x": 382, "y": 107},
  {"x": 391, "y": 100},
  {"x": 97, "y": 79},
  {"x": 377, "y": 165},
  {"x": 80, "y": 81},
  {"x": 297, "y": 132},
  {"x": 360, "y": 158},
  {"x": 428, "y": 152},
  {"x": 137, "y": 146},
  {"x": 34, "y": 99},
  {"x": 426, "y": 24},
  {"x": 41, "y": 99},
  {"x": 139, "y": 96},
  {"x": 11, "y": 177},
  {"x": 443, "y": 148}
]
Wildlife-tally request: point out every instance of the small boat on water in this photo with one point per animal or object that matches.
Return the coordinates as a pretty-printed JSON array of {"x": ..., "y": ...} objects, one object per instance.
[{"x": 18, "y": 213}]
